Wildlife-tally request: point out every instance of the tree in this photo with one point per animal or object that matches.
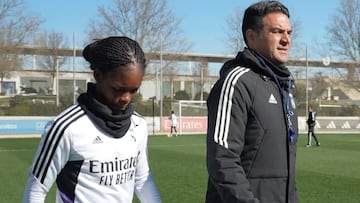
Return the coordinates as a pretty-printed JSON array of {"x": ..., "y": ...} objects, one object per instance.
[
  {"x": 234, "y": 39},
  {"x": 344, "y": 33},
  {"x": 204, "y": 96},
  {"x": 233, "y": 29},
  {"x": 182, "y": 95},
  {"x": 149, "y": 22},
  {"x": 319, "y": 86},
  {"x": 15, "y": 26},
  {"x": 54, "y": 41}
]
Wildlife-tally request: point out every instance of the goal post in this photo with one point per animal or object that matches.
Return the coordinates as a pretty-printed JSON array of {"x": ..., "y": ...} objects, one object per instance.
[{"x": 192, "y": 116}]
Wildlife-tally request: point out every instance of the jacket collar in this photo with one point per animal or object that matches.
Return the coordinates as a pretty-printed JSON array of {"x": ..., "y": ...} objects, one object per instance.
[{"x": 256, "y": 62}]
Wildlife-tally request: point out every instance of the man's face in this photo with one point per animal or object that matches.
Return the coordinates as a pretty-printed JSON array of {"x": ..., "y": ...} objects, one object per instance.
[
  {"x": 273, "y": 41},
  {"x": 118, "y": 87}
]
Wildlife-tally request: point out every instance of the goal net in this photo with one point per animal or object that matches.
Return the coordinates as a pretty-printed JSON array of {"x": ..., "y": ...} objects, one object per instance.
[{"x": 192, "y": 116}]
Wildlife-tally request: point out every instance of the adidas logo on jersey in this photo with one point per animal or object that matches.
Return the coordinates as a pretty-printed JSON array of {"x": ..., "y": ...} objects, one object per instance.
[
  {"x": 97, "y": 140},
  {"x": 272, "y": 99}
]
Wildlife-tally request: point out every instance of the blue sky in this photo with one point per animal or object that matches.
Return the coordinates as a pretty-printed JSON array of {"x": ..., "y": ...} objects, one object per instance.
[{"x": 203, "y": 21}]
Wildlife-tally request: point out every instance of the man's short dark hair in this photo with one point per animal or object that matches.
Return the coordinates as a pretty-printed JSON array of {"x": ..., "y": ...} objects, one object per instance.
[{"x": 253, "y": 16}]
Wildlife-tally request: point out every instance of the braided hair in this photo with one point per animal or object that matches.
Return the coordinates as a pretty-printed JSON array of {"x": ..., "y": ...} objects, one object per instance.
[{"x": 112, "y": 52}]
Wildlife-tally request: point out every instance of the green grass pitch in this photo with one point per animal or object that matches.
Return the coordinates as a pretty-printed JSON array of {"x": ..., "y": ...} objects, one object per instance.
[{"x": 330, "y": 173}]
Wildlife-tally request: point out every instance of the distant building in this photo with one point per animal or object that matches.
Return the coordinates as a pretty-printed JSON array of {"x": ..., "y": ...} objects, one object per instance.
[{"x": 40, "y": 83}]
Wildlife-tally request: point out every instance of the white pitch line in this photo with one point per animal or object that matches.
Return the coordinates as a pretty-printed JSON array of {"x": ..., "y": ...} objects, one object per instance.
[
  {"x": 15, "y": 150},
  {"x": 178, "y": 145}
]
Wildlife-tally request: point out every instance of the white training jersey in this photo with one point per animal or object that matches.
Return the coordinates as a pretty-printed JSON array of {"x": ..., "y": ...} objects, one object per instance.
[
  {"x": 90, "y": 166},
  {"x": 173, "y": 120}
]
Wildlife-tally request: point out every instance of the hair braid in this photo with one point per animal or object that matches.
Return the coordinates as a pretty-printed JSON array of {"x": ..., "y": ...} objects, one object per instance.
[{"x": 112, "y": 52}]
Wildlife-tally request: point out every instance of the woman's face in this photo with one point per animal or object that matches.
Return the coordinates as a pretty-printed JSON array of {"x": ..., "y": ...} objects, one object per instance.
[{"x": 117, "y": 88}]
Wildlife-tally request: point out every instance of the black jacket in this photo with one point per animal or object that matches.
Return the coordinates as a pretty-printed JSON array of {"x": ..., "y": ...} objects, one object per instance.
[{"x": 250, "y": 157}]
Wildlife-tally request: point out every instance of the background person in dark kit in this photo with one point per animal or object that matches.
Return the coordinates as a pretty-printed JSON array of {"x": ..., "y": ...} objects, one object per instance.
[
  {"x": 96, "y": 150},
  {"x": 252, "y": 121},
  {"x": 311, "y": 122}
]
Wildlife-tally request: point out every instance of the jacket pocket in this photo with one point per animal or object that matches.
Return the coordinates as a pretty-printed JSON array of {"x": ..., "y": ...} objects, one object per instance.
[{"x": 269, "y": 190}]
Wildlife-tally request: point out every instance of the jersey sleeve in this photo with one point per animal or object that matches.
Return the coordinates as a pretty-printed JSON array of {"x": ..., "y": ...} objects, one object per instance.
[
  {"x": 228, "y": 105},
  {"x": 145, "y": 187},
  {"x": 50, "y": 157}
]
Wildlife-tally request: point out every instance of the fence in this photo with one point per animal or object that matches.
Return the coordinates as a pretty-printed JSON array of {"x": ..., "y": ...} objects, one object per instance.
[{"x": 13, "y": 126}]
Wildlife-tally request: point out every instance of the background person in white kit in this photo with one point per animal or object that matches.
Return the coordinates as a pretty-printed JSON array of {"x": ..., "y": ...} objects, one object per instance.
[
  {"x": 173, "y": 119},
  {"x": 96, "y": 150}
]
